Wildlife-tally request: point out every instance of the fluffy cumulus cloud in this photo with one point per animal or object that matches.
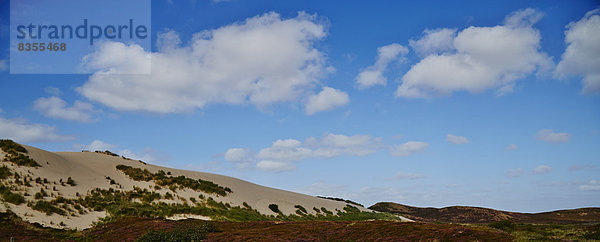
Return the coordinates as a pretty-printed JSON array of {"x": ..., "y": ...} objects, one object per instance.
[
  {"x": 241, "y": 157},
  {"x": 24, "y": 131},
  {"x": 592, "y": 185},
  {"x": 457, "y": 140},
  {"x": 476, "y": 59},
  {"x": 55, "y": 107},
  {"x": 582, "y": 56},
  {"x": 541, "y": 169},
  {"x": 262, "y": 60},
  {"x": 434, "y": 41},
  {"x": 327, "y": 99},
  {"x": 282, "y": 153},
  {"x": 408, "y": 148},
  {"x": 373, "y": 75},
  {"x": 549, "y": 135}
]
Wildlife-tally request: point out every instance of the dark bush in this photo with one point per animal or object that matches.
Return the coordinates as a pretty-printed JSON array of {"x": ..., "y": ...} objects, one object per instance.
[
  {"x": 301, "y": 208},
  {"x": 4, "y": 172},
  {"x": 11, "y": 197},
  {"x": 505, "y": 225},
  {"x": 194, "y": 233},
  {"x": 274, "y": 208},
  {"x": 9, "y": 145},
  {"x": 173, "y": 183},
  {"x": 71, "y": 182},
  {"x": 47, "y": 207}
]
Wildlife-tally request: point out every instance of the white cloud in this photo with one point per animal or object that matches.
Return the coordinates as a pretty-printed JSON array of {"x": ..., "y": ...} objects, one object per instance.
[
  {"x": 23, "y": 131},
  {"x": 549, "y": 135},
  {"x": 327, "y": 99},
  {"x": 582, "y": 56},
  {"x": 54, "y": 107},
  {"x": 516, "y": 172},
  {"x": 483, "y": 58},
  {"x": 408, "y": 148},
  {"x": 373, "y": 75},
  {"x": 283, "y": 152},
  {"x": 261, "y": 61},
  {"x": 411, "y": 176},
  {"x": 146, "y": 155},
  {"x": 434, "y": 41},
  {"x": 52, "y": 91},
  {"x": 274, "y": 166},
  {"x": 3, "y": 65},
  {"x": 241, "y": 157},
  {"x": 457, "y": 140},
  {"x": 512, "y": 147},
  {"x": 97, "y": 145},
  {"x": 541, "y": 169},
  {"x": 592, "y": 185}
]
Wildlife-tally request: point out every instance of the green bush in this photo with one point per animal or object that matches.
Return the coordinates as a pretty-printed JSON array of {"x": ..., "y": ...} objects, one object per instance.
[
  {"x": 11, "y": 197},
  {"x": 4, "y": 172},
  {"x": 71, "y": 182},
  {"x": 194, "y": 233},
  {"x": 162, "y": 179},
  {"x": 20, "y": 159},
  {"x": 505, "y": 225},
  {"x": 274, "y": 208},
  {"x": 47, "y": 207},
  {"x": 9, "y": 145},
  {"x": 299, "y": 207}
]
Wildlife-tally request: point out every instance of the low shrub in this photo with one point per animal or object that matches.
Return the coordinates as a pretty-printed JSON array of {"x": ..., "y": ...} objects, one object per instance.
[
  {"x": 4, "y": 172},
  {"x": 47, "y": 207},
  {"x": 505, "y": 225},
  {"x": 11, "y": 197},
  {"x": 71, "y": 182},
  {"x": 181, "y": 233},
  {"x": 9, "y": 145},
  {"x": 274, "y": 208}
]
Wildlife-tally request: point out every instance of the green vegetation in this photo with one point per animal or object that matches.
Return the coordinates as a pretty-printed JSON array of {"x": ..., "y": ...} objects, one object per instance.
[
  {"x": 71, "y": 182},
  {"x": 14, "y": 153},
  {"x": 162, "y": 179},
  {"x": 197, "y": 232},
  {"x": 547, "y": 232},
  {"x": 274, "y": 208},
  {"x": 47, "y": 207},
  {"x": 299, "y": 207},
  {"x": 106, "y": 152},
  {"x": 20, "y": 159},
  {"x": 4, "y": 172},
  {"x": 11, "y": 197},
  {"x": 9, "y": 145},
  {"x": 342, "y": 200}
]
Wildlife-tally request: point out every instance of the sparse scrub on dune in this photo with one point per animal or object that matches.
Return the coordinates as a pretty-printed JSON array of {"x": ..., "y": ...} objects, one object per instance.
[
  {"x": 163, "y": 179},
  {"x": 106, "y": 152},
  {"x": 300, "y": 208},
  {"x": 4, "y": 172},
  {"x": 342, "y": 200},
  {"x": 9, "y": 145},
  {"x": 15, "y": 153},
  {"x": 47, "y": 207},
  {"x": 11, "y": 197}
]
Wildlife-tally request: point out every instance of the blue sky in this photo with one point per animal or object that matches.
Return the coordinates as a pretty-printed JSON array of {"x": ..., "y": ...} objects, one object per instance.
[{"x": 480, "y": 103}]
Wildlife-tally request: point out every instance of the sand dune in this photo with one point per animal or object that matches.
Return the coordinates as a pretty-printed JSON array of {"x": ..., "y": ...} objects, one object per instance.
[{"x": 90, "y": 170}]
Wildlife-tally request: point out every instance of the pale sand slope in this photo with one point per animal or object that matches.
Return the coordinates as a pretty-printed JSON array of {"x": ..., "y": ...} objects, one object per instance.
[{"x": 89, "y": 170}]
